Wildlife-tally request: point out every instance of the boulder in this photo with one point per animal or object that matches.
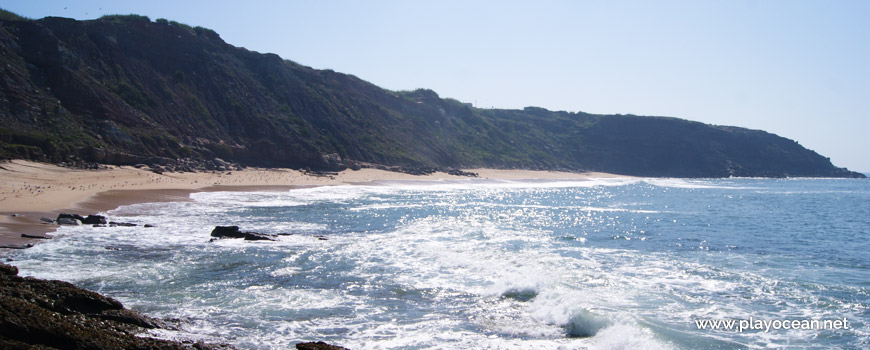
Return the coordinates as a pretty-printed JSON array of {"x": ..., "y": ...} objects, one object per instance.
[
  {"x": 94, "y": 220},
  {"x": 459, "y": 172},
  {"x": 69, "y": 219},
  {"x": 318, "y": 346},
  {"x": 220, "y": 162},
  {"x": 235, "y": 232},
  {"x": 73, "y": 216},
  {"x": 227, "y": 232}
]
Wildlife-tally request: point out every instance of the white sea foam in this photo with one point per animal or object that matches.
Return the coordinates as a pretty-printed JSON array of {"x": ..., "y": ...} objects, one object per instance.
[
  {"x": 697, "y": 184},
  {"x": 526, "y": 288},
  {"x": 488, "y": 184},
  {"x": 455, "y": 264},
  {"x": 290, "y": 198},
  {"x": 627, "y": 336}
]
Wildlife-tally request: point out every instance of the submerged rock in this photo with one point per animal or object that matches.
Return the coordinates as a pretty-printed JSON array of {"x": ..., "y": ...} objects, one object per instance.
[
  {"x": 16, "y": 246},
  {"x": 584, "y": 324},
  {"x": 254, "y": 236},
  {"x": 122, "y": 224},
  {"x": 520, "y": 294}
]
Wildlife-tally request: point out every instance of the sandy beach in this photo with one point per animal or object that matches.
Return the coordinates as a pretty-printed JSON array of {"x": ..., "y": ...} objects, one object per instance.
[{"x": 31, "y": 190}]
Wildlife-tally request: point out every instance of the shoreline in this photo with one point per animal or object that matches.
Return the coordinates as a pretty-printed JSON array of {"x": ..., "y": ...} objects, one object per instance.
[{"x": 31, "y": 190}]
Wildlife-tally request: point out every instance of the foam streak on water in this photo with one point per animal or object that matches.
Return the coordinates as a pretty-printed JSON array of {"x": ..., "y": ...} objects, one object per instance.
[{"x": 599, "y": 264}]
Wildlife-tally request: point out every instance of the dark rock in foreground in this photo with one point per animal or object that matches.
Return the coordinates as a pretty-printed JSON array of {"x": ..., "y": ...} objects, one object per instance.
[
  {"x": 235, "y": 232},
  {"x": 8, "y": 270},
  {"x": 42, "y": 314}
]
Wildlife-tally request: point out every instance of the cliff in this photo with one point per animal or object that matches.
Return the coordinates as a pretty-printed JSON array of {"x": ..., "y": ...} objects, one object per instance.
[{"x": 128, "y": 90}]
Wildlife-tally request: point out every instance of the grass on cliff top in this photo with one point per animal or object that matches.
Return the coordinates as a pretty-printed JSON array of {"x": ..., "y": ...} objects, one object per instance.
[{"x": 11, "y": 16}]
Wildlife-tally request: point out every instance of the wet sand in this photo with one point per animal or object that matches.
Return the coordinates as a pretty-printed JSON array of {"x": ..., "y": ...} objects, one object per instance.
[{"x": 31, "y": 190}]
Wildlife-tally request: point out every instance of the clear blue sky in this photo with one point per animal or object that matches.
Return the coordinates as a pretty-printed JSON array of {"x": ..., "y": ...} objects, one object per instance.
[{"x": 799, "y": 69}]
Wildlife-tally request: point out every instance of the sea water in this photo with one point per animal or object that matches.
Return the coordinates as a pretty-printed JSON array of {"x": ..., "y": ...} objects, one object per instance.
[{"x": 619, "y": 263}]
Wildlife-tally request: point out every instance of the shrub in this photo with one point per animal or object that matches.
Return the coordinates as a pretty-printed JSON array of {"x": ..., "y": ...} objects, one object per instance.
[{"x": 125, "y": 18}]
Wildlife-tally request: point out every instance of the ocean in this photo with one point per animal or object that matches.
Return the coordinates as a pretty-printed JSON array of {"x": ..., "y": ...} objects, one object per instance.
[{"x": 622, "y": 263}]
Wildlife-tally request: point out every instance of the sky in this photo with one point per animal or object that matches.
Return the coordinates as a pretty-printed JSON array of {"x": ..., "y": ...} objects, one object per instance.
[{"x": 798, "y": 69}]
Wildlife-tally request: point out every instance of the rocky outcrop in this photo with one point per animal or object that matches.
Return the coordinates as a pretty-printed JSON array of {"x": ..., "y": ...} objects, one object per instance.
[
  {"x": 42, "y": 314},
  {"x": 235, "y": 232},
  {"x": 69, "y": 219},
  {"x": 94, "y": 220}
]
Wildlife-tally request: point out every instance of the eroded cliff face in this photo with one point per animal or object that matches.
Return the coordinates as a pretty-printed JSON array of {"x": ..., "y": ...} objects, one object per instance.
[{"x": 127, "y": 90}]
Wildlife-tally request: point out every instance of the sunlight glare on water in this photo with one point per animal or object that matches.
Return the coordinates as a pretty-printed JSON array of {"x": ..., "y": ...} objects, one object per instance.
[{"x": 598, "y": 264}]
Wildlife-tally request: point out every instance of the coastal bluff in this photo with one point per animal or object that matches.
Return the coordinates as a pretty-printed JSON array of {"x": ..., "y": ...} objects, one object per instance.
[{"x": 126, "y": 90}]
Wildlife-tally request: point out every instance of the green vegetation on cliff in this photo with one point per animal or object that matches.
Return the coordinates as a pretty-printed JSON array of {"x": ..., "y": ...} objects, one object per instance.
[{"x": 123, "y": 89}]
